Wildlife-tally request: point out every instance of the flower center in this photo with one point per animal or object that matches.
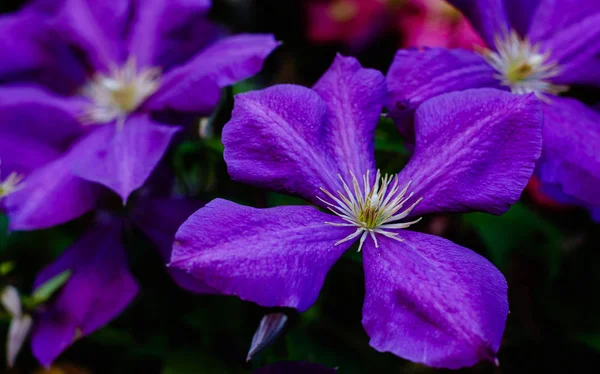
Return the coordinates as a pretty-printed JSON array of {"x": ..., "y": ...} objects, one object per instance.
[
  {"x": 121, "y": 92},
  {"x": 10, "y": 184},
  {"x": 522, "y": 67},
  {"x": 374, "y": 209}
]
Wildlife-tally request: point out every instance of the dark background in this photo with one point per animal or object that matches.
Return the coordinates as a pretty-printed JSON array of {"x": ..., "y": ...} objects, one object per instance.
[{"x": 550, "y": 256}]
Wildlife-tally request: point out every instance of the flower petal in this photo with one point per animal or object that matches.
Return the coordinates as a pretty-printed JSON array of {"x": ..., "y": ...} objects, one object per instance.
[
  {"x": 570, "y": 158},
  {"x": 99, "y": 288},
  {"x": 122, "y": 158},
  {"x": 21, "y": 51},
  {"x": 49, "y": 196},
  {"x": 488, "y": 17},
  {"x": 159, "y": 220},
  {"x": 31, "y": 111},
  {"x": 273, "y": 257},
  {"x": 275, "y": 139},
  {"x": 431, "y": 301},
  {"x": 475, "y": 150},
  {"x": 196, "y": 86},
  {"x": 165, "y": 32},
  {"x": 22, "y": 154},
  {"x": 420, "y": 74},
  {"x": 572, "y": 37},
  {"x": 95, "y": 27},
  {"x": 354, "y": 98}
]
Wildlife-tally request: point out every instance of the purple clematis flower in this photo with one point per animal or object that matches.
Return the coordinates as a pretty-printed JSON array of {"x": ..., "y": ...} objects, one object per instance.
[
  {"x": 427, "y": 299},
  {"x": 101, "y": 285},
  {"x": 534, "y": 46},
  {"x": 122, "y": 65}
]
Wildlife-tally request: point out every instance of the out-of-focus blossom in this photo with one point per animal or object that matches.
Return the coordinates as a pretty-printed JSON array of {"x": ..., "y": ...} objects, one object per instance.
[
  {"x": 20, "y": 323},
  {"x": 100, "y": 285},
  {"x": 268, "y": 330},
  {"x": 427, "y": 299},
  {"x": 419, "y": 22},
  {"x": 537, "y": 46},
  {"x": 123, "y": 64}
]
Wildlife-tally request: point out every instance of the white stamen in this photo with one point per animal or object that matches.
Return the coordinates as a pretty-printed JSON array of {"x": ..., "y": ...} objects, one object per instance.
[
  {"x": 374, "y": 209},
  {"x": 10, "y": 184},
  {"x": 522, "y": 67},
  {"x": 122, "y": 91}
]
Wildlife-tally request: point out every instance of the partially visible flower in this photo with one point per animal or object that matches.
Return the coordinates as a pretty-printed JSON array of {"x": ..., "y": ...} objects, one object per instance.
[
  {"x": 419, "y": 22},
  {"x": 128, "y": 66},
  {"x": 427, "y": 299},
  {"x": 539, "y": 46},
  {"x": 100, "y": 286}
]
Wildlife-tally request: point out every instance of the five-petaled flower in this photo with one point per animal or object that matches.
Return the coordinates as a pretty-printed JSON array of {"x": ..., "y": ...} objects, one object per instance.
[
  {"x": 427, "y": 299},
  {"x": 105, "y": 83},
  {"x": 539, "y": 47}
]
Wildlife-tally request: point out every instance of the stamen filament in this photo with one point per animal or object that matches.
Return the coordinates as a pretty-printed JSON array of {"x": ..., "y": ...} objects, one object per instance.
[{"x": 373, "y": 208}]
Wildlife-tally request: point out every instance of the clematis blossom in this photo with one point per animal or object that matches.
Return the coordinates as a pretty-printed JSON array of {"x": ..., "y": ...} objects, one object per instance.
[
  {"x": 130, "y": 73},
  {"x": 101, "y": 286},
  {"x": 427, "y": 299},
  {"x": 538, "y": 46}
]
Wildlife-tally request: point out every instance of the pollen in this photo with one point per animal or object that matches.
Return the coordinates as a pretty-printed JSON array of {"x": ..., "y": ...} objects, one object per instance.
[
  {"x": 522, "y": 67},
  {"x": 376, "y": 208},
  {"x": 115, "y": 95}
]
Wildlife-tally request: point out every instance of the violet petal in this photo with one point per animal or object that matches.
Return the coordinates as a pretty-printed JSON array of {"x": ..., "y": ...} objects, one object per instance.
[
  {"x": 475, "y": 150},
  {"x": 95, "y": 27},
  {"x": 99, "y": 288},
  {"x": 275, "y": 139},
  {"x": 488, "y": 17},
  {"x": 164, "y": 28},
  {"x": 122, "y": 158},
  {"x": 354, "y": 98},
  {"x": 32, "y": 111},
  {"x": 572, "y": 37},
  {"x": 420, "y": 74},
  {"x": 570, "y": 158},
  {"x": 196, "y": 86},
  {"x": 49, "y": 196},
  {"x": 273, "y": 257},
  {"x": 431, "y": 301}
]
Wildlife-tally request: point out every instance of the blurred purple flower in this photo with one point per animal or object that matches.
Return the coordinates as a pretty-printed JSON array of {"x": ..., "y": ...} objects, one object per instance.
[
  {"x": 427, "y": 299},
  {"x": 114, "y": 68},
  {"x": 539, "y": 46},
  {"x": 100, "y": 285}
]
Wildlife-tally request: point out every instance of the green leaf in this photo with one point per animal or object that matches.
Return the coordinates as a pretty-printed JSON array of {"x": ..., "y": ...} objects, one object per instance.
[
  {"x": 46, "y": 290},
  {"x": 590, "y": 340},
  {"x": 6, "y": 267},
  {"x": 519, "y": 230},
  {"x": 388, "y": 139},
  {"x": 244, "y": 86}
]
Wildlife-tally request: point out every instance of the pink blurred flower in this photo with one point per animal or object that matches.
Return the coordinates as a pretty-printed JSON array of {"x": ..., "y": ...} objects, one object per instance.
[{"x": 419, "y": 22}]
